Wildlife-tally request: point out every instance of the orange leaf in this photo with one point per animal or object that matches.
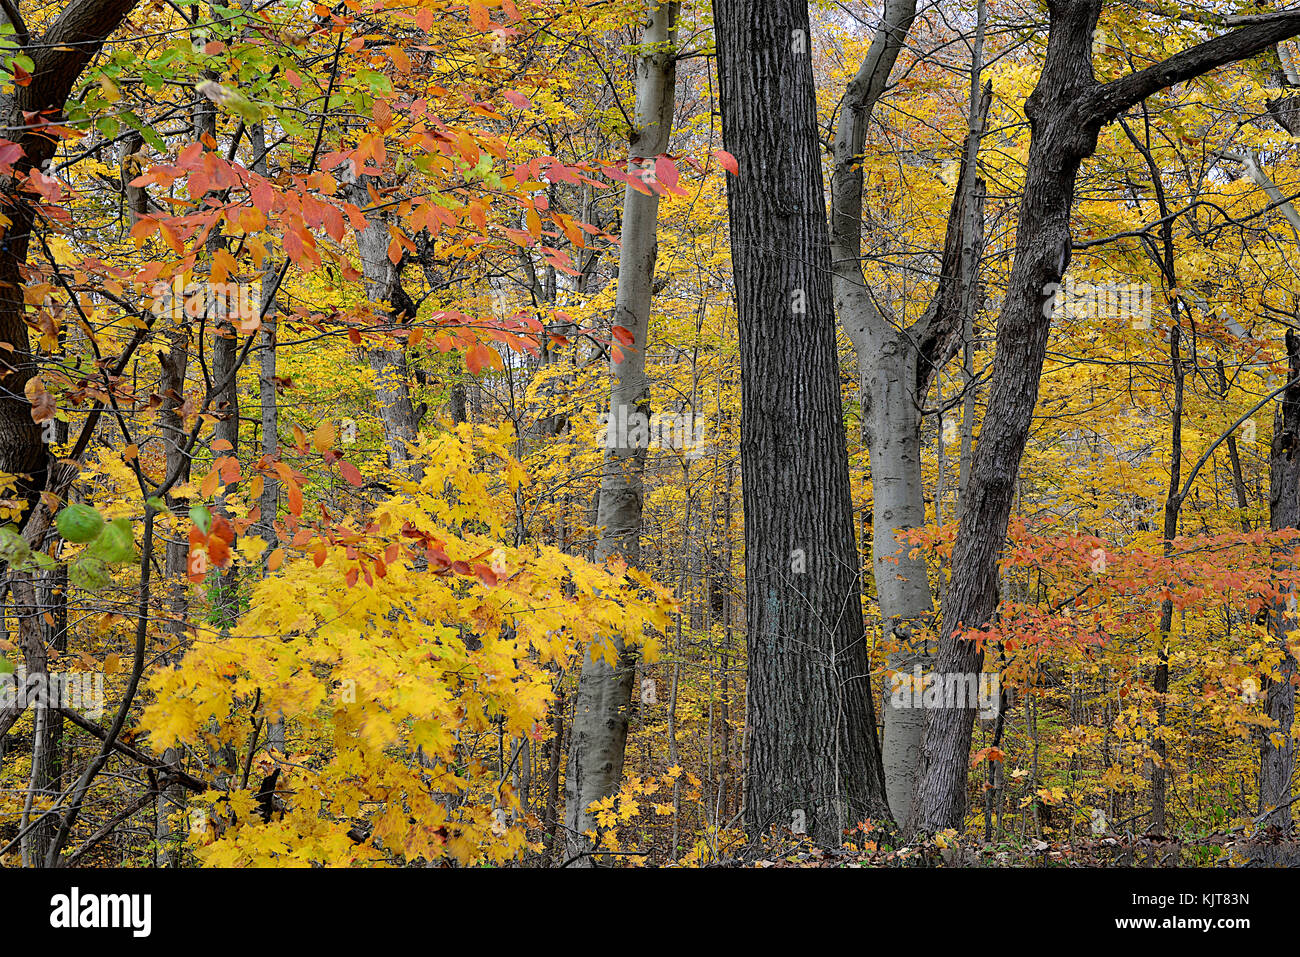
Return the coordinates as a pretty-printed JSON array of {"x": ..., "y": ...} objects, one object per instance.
[
  {"x": 323, "y": 438},
  {"x": 480, "y": 356}
]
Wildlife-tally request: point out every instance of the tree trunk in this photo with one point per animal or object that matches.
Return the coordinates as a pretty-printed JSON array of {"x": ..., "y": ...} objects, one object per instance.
[
  {"x": 176, "y": 553},
  {"x": 1277, "y": 764},
  {"x": 552, "y": 818},
  {"x": 604, "y": 694},
  {"x": 387, "y": 362},
  {"x": 1066, "y": 112},
  {"x": 70, "y": 42},
  {"x": 813, "y": 755},
  {"x": 896, "y": 366},
  {"x": 268, "y": 502}
]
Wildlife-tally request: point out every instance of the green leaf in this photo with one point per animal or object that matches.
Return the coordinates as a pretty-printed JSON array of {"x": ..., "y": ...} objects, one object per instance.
[{"x": 201, "y": 518}]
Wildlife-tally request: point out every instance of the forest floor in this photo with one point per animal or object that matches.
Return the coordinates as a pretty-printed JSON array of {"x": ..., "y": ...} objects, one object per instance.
[{"x": 1266, "y": 848}]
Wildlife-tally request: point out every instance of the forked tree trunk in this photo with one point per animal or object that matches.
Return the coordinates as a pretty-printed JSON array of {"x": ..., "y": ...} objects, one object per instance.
[
  {"x": 896, "y": 366},
  {"x": 1066, "y": 112},
  {"x": 813, "y": 755},
  {"x": 600, "y": 716}
]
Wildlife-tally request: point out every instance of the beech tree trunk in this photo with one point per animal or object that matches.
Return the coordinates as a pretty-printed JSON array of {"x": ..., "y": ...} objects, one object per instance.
[
  {"x": 896, "y": 365},
  {"x": 1066, "y": 112},
  {"x": 599, "y": 732},
  {"x": 890, "y": 410},
  {"x": 814, "y": 759}
]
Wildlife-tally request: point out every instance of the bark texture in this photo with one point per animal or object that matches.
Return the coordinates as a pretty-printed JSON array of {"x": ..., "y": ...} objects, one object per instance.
[
  {"x": 1277, "y": 764},
  {"x": 814, "y": 758}
]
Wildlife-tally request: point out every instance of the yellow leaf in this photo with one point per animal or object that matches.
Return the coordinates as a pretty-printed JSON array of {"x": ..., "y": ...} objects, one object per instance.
[
  {"x": 251, "y": 547},
  {"x": 323, "y": 438}
]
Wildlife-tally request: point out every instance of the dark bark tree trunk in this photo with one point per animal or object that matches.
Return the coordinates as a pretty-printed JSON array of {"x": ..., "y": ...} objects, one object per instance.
[
  {"x": 552, "y": 818},
  {"x": 1173, "y": 507},
  {"x": 813, "y": 753},
  {"x": 1066, "y": 112},
  {"x": 72, "y": 40},
  {"x": 1277, "y": 764}
]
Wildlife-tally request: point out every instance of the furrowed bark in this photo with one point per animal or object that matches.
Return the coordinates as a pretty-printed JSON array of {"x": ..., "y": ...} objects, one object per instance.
[
  {"x": 1277, "y": 764},
  {"x": 813, "y": 755}
]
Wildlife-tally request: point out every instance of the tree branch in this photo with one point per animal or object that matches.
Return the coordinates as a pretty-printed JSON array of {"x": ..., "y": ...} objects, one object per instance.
[
  {"x": 1109, "y": 100},
  {"x": 197, "y": 785}
]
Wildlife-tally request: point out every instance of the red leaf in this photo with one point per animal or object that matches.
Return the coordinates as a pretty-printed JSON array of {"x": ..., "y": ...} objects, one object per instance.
[
  {"x": 351, "y": 474},
  {"x": 624, "y": 335},
  {"x": 515, "y": 98},
  {"x": 666, "y": 172},
  {"x": 727, "y": 162},
  {"x": 10, "y": 152}
]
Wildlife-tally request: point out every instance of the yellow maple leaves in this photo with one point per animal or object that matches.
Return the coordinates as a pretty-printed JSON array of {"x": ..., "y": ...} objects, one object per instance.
[{"x": 390, "y": 682}]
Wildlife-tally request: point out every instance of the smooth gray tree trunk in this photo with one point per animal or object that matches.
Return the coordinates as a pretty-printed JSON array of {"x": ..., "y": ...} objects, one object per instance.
[
  {"x": 599, "y": 731},
  {"x": 896, "y": 366}
]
